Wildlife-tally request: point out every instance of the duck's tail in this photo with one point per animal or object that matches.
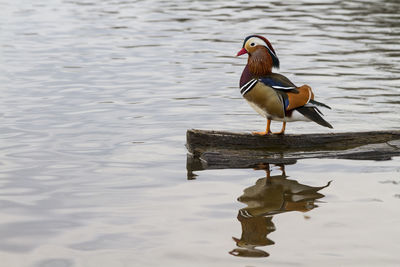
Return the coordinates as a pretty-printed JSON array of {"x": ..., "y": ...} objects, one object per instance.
[
  {"x": 313, "y": 113},
  {"x": 315, "y": 102}
]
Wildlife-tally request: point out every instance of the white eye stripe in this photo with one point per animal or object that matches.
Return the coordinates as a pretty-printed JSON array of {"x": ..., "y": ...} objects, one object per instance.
[{"x": 258, "y": 41}]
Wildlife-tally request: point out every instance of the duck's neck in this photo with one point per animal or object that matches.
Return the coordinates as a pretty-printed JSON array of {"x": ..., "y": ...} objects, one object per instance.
[
  {"x": 260, "y": 62},
  {"x": 246, "y": 76},
  {"x": 258, "y": 65}
]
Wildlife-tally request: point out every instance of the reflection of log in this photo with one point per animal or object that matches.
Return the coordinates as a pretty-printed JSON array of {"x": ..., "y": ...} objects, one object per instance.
[{"x": 215, "y": 150}]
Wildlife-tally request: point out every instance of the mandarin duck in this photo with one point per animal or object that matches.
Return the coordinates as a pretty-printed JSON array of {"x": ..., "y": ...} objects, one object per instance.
[{"x": 271, "y": 94}]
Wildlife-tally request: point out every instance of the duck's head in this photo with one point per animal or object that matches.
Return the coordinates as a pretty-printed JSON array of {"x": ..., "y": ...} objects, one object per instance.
[{"x": 257, "y": 45}]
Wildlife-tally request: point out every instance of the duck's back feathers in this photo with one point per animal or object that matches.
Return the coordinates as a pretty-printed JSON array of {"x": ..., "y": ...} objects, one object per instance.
[
  {"x": 300, "y": 98},
  {"x": 278, "y": 82}
]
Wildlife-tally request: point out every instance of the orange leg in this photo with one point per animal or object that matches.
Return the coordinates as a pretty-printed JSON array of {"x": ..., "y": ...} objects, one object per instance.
[
  {"x": 283, "y": 129},
  {"x": 267, "y": 130},
  {"x": 282, "y": 167}
]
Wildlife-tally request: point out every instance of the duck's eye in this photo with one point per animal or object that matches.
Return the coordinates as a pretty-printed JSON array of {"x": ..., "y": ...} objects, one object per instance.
[{"x": 253, "y": 44}]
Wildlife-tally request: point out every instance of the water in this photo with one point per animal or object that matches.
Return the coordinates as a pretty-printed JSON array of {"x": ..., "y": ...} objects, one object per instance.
[{"x": 96, "y": 97}]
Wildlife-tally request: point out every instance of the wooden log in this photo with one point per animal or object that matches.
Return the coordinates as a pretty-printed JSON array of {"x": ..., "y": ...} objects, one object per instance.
[
  {"x": 216, "y": 149},
  {"x": 199, "y": 140}
]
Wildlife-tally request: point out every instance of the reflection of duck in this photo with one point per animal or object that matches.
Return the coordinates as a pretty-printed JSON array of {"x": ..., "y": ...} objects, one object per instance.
[
  {"x": 254, "y": 233},
  {"x": 269, "y": 196},
  {"x": 276, "y": 194}
]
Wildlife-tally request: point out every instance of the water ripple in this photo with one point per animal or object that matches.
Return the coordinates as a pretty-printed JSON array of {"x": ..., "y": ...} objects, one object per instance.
[{"x": 97, "y": 96}]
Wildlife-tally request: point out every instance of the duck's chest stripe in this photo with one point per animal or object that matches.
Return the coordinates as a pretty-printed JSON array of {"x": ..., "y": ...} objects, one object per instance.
[{"x": 248, "y": 86}]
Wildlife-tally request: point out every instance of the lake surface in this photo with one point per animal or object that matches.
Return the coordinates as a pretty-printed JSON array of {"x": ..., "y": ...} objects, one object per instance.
[{"x": 96, "y": 97}]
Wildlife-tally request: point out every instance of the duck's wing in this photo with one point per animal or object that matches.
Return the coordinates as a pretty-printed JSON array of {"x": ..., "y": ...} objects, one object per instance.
[
  {"x": 296, "y": 98},
  {"x": 278, "y": 82},
  {"x": 292, "y": 96}
]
